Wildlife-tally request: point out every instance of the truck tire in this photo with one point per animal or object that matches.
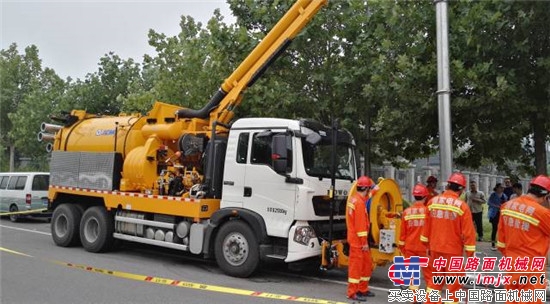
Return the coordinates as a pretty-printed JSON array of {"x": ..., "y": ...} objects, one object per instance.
[
  {"x": 236, "y": 249},
  {"x": 65, "y": 225},
  {"x": 96, "y": 230},
  {"x": 14, "y": 217}
]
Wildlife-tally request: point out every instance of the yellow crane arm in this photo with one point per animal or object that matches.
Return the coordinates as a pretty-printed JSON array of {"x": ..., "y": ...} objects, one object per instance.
[{"x": 228, "y": 97}]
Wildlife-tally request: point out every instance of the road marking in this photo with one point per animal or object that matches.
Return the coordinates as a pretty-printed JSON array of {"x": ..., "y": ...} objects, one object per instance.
[
  {"x": 199, "y": 286},
  {"x": 26, "y": 230},
  {"x": 15, "y": 252},
  {"x": 323, "y": 280},
  {"x": 185, "y": 284},
  {"x": 278, "y": 272},
  {"x": 23, "y": 212}
]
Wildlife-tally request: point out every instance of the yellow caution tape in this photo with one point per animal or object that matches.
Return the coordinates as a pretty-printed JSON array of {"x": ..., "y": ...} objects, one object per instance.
[
  {"x": 23, "y": 212},
  {"x": 184, "y": 284}
]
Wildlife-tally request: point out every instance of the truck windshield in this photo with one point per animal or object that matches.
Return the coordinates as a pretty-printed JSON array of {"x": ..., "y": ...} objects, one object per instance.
[{"x": 318, "y": 160}]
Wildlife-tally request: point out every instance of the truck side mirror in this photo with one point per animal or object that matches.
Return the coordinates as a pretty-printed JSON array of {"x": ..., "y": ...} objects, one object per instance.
[{"x": 279, "y": 153}]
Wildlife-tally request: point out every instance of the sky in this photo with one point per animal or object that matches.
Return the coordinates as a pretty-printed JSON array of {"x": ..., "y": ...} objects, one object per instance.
[{"x": 71, "y": 35}]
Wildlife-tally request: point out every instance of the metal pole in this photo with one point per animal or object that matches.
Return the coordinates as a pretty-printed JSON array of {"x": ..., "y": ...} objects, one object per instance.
[
  {"x": 334, "y": 139},
  {"x": 443, "y": 91}
]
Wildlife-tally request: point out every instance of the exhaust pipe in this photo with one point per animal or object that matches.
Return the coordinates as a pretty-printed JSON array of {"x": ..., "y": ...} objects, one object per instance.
[
  {"x": 46, "y": 127},
  {"x": 45, "y": 136},
  {"x": 49, "y": 147}
]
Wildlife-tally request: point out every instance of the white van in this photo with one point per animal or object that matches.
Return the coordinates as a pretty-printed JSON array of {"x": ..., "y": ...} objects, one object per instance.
[{"x": 24, "y": 191}]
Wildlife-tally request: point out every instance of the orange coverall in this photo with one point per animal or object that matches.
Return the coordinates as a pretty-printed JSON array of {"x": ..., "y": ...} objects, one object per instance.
[
  {"x": 360, "y": 261},
  {"x": 412, "y": 221},
  {"x": 524, "y": 231},
  {"x": 448, "y": 231}
]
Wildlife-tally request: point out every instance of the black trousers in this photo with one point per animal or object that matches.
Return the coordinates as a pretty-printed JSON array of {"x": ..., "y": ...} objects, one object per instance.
[
  {"x": 478, "y": 222},
  {"x": 494, "y": 222}
]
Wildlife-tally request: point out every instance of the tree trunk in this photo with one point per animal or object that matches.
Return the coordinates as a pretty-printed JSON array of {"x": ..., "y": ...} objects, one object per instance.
[
  {"x": 12, "y": 158},
  {"x": 540, "y": 148}
]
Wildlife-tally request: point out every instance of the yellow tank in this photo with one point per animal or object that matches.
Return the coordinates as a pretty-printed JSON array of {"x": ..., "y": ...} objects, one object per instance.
[
  {"x": 102, "y": 134},
  {"x": 146, "y": 143}
]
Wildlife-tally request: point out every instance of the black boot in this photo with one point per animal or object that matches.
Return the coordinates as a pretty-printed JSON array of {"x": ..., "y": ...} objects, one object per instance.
[
  {"x": 358, "y": 297},
  {"x": 367, "y": 294}
]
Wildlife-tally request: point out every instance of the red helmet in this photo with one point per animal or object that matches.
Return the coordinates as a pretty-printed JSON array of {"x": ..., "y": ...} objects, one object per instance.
[
  {"x": 364, "y": 182},
  {"x": 420, "y": 190},
  {"x": 457, "y": 178},
  {"x": 431, "y": 178},
  {"x": 543, "y": 182}
]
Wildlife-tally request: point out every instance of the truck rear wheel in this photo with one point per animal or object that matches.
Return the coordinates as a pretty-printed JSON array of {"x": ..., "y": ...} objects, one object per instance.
[
  {"x": 96, "y": 230},
  {"x": 65, "y": 225},
  {"x": 236, "y": 249}
]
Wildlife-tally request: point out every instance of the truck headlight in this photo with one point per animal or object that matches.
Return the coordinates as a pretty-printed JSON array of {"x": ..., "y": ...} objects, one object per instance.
[{"x": 303, "y": 234}]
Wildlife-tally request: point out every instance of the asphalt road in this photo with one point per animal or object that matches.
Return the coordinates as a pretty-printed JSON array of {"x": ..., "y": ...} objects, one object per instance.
[{"x": 34, "y": 270}]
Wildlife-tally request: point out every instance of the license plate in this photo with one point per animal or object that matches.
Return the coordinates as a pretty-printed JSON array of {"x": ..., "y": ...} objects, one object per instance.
[{"x": 45, "y": 202}]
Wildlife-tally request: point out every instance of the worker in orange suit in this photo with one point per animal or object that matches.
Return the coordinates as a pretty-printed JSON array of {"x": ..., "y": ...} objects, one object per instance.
[
  {"x": 360, "y": 261},
  {"x": 448, "y": 231},
  {"x": 524, "y": 232},
  {"x": 431, "y": 184},
  {"x": 412, "y": 223}
]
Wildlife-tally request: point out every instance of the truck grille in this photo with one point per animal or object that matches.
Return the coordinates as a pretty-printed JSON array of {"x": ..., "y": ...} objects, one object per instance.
[{"x": 321, "y": 206}]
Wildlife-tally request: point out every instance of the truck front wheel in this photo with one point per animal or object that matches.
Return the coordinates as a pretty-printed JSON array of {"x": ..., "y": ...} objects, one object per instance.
[
  {"x": 96, "y": 230},
  {"x": 65, "y": 225},
  {"x": 237, "y": 251}
]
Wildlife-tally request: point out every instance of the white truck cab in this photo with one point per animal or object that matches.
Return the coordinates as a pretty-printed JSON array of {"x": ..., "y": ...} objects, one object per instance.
[{"x": 281, "y": 170}]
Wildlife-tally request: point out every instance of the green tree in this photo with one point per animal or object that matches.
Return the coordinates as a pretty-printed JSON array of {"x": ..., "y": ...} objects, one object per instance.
[
  {"x": 328, "y": 66},
  {"x": 102, "y": 92},
  {"x": 499, "y": 70},
  {"x": 25, "y": 92},
  {"x": 312, "y": 71},
  {"x": 31, "y": 112},
  {"x": 189, "y": 67},
  {"x": 396, "y": 61},
  {"x": 501, "y": 66}
]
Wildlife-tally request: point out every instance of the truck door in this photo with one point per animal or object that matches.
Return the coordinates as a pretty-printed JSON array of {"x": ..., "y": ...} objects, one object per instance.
[
  {"x": 265, "y": 191},
  {"x": 236, "y": 160}
]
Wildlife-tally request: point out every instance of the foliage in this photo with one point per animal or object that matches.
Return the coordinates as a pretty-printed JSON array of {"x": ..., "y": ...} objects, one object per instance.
[
  {"x": 502, "y": 53},
  {"x": 371, "y": 64},
  {"x": 189, "y": 67},
  {"x": 100, "y": 92},
  {"x": 319, "y": 71},
  {"x": 28, "y": 92},
  {"x": 33, "y": 110}
]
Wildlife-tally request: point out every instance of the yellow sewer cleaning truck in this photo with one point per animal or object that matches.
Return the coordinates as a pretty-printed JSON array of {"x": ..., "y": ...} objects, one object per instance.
[{"x": 240, "y": 191}]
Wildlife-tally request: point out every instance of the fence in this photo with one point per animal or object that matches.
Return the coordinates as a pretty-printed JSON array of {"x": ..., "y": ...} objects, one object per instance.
[{"x": 408, "y": 177}]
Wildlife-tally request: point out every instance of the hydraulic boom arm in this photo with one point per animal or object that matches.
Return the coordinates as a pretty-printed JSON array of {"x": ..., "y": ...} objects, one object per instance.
[{"x": 221, "y": 106}]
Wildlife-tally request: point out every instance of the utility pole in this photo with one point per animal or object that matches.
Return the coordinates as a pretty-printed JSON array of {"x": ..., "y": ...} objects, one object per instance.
[{"x": 443, "y": 91}]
